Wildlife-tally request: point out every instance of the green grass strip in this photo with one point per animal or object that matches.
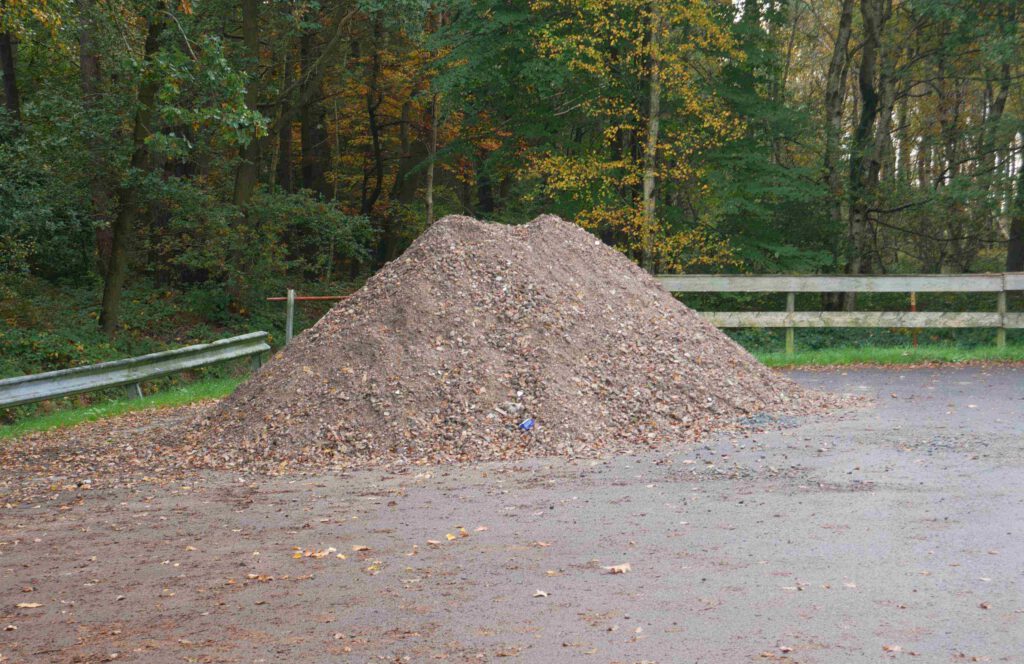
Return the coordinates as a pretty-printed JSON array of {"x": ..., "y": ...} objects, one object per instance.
[
  {"x": 202, "y": 390},
  {"x": 891, "y": 356}
]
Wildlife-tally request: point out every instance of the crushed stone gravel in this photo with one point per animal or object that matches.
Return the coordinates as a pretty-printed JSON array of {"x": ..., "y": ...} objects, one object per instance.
[
  {"x": 486, "y": 341},
  {"x": 481, "y": 342}
]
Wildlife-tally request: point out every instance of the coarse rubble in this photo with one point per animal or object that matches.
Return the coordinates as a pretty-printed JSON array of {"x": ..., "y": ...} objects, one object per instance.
[{"x": 487, "y": 341}]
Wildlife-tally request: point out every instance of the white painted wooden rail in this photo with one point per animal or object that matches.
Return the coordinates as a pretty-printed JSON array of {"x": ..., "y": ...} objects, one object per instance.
[
  {"x": 998, "y": 283},
  {"x": 131, "y": 371}
]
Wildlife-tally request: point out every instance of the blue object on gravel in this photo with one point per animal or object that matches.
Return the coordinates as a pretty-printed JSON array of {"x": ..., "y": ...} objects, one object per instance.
[{"x": 526, "y": 425}]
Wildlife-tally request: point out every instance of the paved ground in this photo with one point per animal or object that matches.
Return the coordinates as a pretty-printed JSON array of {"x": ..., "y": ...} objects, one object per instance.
[{"x": 895, "y": 531}]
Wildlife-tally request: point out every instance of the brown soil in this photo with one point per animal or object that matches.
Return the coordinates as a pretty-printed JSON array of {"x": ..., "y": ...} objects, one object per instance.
[{"x": 479, "y": 327}]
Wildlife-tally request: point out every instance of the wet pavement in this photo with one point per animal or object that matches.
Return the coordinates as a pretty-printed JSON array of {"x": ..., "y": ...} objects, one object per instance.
[{"x": 891, "y": 531}]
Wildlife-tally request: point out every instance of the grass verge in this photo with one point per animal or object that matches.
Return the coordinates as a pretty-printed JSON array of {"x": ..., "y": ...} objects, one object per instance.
[
  {"x": 202, "y": 390},
  {"x": 891, "y": 356}
]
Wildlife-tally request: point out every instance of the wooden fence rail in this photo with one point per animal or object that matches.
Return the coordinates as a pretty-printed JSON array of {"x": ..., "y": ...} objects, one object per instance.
[
  {"x": 999, "y": 283},
  {"x": 131, "y": 371}
]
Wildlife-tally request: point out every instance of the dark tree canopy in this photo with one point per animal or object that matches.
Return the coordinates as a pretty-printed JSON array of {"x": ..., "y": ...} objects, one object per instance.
[{"x": 234, "y": 147}]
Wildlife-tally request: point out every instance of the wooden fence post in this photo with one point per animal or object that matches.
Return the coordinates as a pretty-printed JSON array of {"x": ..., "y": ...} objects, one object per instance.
[
  {"x": 1001, "y": 309},
  {"x": 289, "y": 320},
  {"x": 790, "y": 308},
  {"x": 913, "y": 310}
]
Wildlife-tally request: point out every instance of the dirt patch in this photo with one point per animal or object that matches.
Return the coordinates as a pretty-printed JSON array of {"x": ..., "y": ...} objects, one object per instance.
[
  {"x": 67, "y": 464},
  {"x": 486, "y": 341}
]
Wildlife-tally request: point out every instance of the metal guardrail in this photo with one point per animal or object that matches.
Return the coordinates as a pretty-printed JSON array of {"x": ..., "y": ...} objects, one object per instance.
[
  {"x": 999, "y": 283},
  {"x": 131, "y": 371}
]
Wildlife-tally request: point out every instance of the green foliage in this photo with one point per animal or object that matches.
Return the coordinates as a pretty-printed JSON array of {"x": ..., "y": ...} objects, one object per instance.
[
  {"x": 202, "y": 100},
  {"x": 42, "y": 227},
  {"x": 769, "y": 204}
]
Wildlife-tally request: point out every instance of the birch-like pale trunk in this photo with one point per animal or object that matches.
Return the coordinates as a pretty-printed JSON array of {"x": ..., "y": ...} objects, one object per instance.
[{"x": 650, "y": 218}]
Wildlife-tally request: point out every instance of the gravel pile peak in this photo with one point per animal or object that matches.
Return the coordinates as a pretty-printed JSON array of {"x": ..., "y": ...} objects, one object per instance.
[{"x": 487, "y": 341}]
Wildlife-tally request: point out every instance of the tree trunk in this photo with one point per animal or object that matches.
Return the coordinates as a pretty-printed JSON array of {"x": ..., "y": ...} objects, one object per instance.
[
  {"x": 315, "y": 149},
  {"x": 875, "y": 101},
  {"x": 1015, "y": 246},
  {"x": 835, "y": 94},
  {"x": 284, "y": 172},
  {"x": 412, "y": 153},
  {"x": 89, "y": 75},
  {"x": 484, "y": 190},
  {"x": 11, "y": 99},
  {"x": 247, "y": 173},
  {"x": 650, "y": 159},
  {"x": 435, "y": 107},
  {"x": 905, "y": 143},
  {"x": 374, "y": 98},
  {"x": 127, "y": 194}
]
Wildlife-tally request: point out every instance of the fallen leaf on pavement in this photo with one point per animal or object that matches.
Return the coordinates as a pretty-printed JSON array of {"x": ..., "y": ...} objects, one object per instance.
[
  {"x": 540, "y": 593},
  {"x": 619, "y": 569}
]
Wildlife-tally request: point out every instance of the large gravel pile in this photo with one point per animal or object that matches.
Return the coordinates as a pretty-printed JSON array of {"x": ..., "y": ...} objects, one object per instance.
[{"x": 486, "y": 341}]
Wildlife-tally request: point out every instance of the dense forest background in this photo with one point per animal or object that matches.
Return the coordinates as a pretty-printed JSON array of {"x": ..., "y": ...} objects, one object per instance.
[{"x": 165, "y": 165}]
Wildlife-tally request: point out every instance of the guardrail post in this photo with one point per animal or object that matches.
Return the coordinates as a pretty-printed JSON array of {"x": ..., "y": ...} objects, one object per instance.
[
  {"x": 790, "y": 308},
  {"x": 289, "y": 317},
  {"x": 257, "y": 362},
  {"x": 134, "y": 390},
  {"x": 1001, "y": 309}
]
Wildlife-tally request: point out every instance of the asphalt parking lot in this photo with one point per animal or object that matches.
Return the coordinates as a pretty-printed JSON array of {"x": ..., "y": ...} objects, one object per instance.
[{"x": 890, "y": 531}]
